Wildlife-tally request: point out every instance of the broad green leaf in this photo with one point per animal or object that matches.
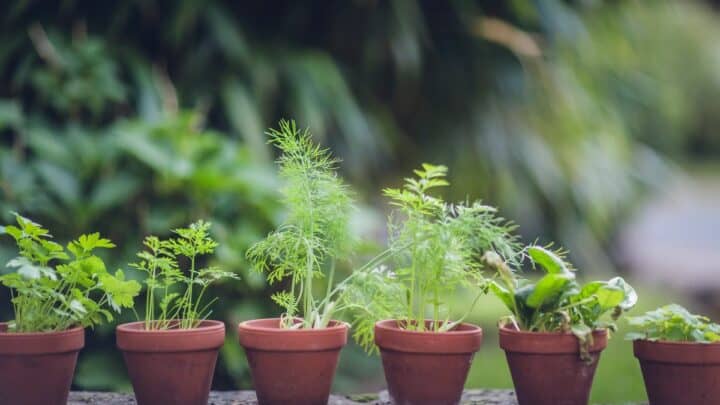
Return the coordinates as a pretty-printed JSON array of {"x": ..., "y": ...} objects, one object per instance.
[
  {"x": 630, "y": 298},
  {"x": 121, "y": 292},
  {"x": 503, "y": 294},
  {"x": 609, "y": 297},
  {"x": 548, "y": 288},
  {"x": 547, "y": 260},
  {"x": 635, "y": 336}
]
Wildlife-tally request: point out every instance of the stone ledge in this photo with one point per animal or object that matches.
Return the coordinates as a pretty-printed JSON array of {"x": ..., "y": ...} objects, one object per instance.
[
  {"x": 488, "y": 397},
  {"x": 479, "y": 396}
]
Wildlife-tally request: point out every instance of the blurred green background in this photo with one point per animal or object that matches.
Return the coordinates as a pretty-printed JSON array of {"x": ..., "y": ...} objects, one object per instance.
[{"x": 578, "y": 118}]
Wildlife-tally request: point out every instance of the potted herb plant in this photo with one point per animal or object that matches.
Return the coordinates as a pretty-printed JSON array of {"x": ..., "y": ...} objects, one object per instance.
[
  {"x": 558, "y": 327},
  {"x": 293, "y": 357},
  {"x": 679, "y": 355},
  {"x": 436, "y": 248},
  {"x": 55, "y": 292},
  {"x": 171, "y": 354}
]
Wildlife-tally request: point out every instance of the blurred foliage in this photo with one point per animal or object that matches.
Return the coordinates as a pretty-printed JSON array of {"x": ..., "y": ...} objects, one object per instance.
[{"x": 133, "y": 117}]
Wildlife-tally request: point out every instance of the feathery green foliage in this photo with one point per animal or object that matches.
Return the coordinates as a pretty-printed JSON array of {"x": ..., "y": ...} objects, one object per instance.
[
  {"x": 315, "y": 233},
  {"x": 52, "y": 290},
  {"x": 673, "y": 323},
  {"x": 167, "y": 306},
  {"x": 557, "y": 302},
  {"x": 436, "y": 248}
]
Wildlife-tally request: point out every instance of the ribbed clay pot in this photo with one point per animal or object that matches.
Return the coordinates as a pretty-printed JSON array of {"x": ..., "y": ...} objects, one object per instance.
[
  {"x": 292, "y": 366},
  {"x": 173, "y": 366},
  {"x": 546, "y": 367},
  {"x": 680, "y": 372},
  {"x": 426, "y": 367},
  {"x": 38, "y": 368}
]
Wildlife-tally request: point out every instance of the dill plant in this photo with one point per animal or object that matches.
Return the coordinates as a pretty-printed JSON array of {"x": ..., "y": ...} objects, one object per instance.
[
  {"x": 176, "y": 282},
  {"x": 54, "y": 288},
  {"x": 314, "y": 235},
  {"x": 435, "y": 247}
]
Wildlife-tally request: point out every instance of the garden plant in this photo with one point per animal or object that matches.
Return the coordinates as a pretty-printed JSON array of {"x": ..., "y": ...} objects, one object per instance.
[
  {"x": 557, "y": 327},
  {"x": 55, "y": 293},
  {"x": 176, "y": 329},
  {"x": 304, "y": 342},
  {"x": 679, "y": 355},
  {"x": 436, "y": 249}
]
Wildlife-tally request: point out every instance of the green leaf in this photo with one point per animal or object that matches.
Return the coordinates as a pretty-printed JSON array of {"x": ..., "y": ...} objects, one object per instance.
[
  {"x": 630, "y": 298},
  {"x": 503, "y": 294},
  {"x": 120, "y": 292},
  {"x": 548, "y": 260},
  {"x": 635, "y": 336},
  {"x": 548, "y": 289},
  {"x": 609, "y": 297}
]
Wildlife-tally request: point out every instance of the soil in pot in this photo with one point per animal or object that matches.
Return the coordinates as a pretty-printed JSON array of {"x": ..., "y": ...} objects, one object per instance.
[
  {"x": 173, "y": 366},
  {"x": 426, "y": 367},
  {"x": 292, "y": 366},
  {"x": 680, "y": 372},
  {"x": 38, "y": 368},
  {"x": 546, "y": 367}
]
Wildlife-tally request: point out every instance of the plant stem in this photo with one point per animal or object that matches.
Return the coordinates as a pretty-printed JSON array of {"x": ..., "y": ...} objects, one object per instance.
[{"x": 308, "y": 289}]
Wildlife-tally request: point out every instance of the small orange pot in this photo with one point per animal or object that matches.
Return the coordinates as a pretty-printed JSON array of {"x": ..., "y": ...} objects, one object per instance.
[
  {"x": 38, "y": 368},
  {"x": 173, "y": 366},
  {"x": 680, "y": 372},
  {"x": 546, "y": 367},
  {"x": 426, "y": 367},
  {"x": 292, "y": 366}
]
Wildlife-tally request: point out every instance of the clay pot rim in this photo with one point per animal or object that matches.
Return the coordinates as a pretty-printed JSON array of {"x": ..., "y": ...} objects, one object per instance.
[
  {"x": 387, "y": 324},
  {"x": 518, "y": 341},
  {"x": 250, "y": 326},
  {"x": 671, "y": 352},
  {"x": 34, "y": 343},
  {"x": 390, "y": 337},
  {"x": 133, "y": 337},
  {"x": 206, "y": 326},
  {"x": 675, "y": 343},
  {"x": 512, "y": 330},
  {"x": 70, "y": 331},
  {"x": 254, "y": 335}
]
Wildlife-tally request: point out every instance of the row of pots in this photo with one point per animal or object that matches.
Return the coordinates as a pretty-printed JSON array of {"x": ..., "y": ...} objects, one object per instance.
[{"x": 297, "y": 365}]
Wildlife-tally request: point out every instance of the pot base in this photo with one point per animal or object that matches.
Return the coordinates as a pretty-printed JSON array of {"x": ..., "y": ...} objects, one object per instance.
[
  {"x": 680, "y": 372},
  {"x": 292, "y": 366},
  {"x": 173, "y": 366},
  {"x": 546, "y": 367},
  {"x": 38, "y": 368},
  {"x": 426, "y": 367}
]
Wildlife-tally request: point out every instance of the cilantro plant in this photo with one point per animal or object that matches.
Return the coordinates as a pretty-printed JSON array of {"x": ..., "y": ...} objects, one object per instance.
[
  {"x": 557, "y": 302},
  {"x": 436, "y": 247},
  {"x": 54, "y": 288},
  {"x": 673, "y": 323},
  {"x": 313, "y": 237},
  {"x": 174, "y": 297}
]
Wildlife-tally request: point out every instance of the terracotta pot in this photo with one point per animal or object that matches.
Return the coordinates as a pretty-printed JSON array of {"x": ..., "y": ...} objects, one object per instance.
[
  {"x": 38, "y": 368},
  {"x": 292, "y": 366},
  {"x": 546, "y": 367},
  {"x": 173, "y": 366},
  {"x": 426, "y": 367},
  {"x": 680, "y": 372}
]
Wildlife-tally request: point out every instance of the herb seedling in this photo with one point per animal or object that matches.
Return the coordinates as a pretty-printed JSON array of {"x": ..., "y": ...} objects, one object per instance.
[
  {"x": 436, "y": 248},
  {"x": 174, "y": 297},
  {"x": 315, "y": 233},
  {"x": 52, "y": 290},
  {"x": 557, "y": 302},
  {"x": 673, "y": 323}
]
